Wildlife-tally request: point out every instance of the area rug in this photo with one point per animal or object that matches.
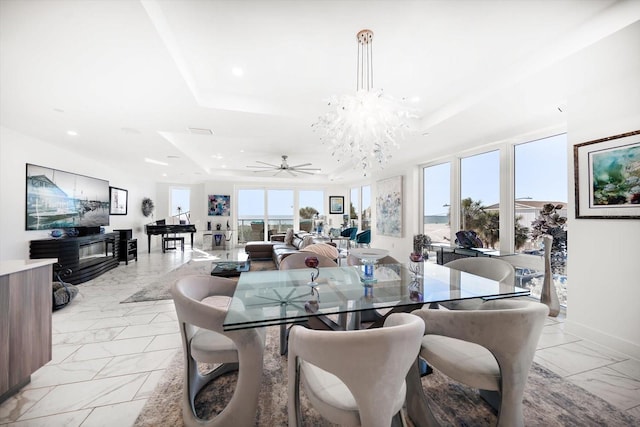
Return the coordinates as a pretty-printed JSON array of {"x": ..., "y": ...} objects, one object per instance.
[
  {"x": 549, "y": 400},
  {"x": 159, "y": 289}
]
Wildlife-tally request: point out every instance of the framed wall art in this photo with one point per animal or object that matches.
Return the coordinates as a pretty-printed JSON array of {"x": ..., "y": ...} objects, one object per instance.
[
  {"x": 607, "y": 177},
  {"x": 219, "y": 205},
  {"x": 336, "y": 204},
  {"x": 118, "y": 201},
  {"x": 389, "y": 207}
]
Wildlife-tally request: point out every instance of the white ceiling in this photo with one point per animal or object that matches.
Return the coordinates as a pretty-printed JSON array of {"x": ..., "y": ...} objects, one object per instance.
[{"x": 130, "y": 77}]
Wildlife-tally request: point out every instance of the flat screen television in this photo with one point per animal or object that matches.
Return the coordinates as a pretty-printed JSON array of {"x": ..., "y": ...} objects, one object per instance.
[{"x": 59, "y": 199}]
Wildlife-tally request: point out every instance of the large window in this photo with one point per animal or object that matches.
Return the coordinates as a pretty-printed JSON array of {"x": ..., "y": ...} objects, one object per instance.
[
  {"x": 280, "y": 211},
  {"x": 532, "y": 186},
  {"x": 480, "y": 196},
  {"x": 437, "y": 206},
  {"x": 354, "y": 208},
  {"x": 540, "y": 207},
  {"x": 366, "y": 207},
  {"x": 311, "y": 210},
  {"x": 180, "y": 204},
  {"x": 250, "y": 215}
]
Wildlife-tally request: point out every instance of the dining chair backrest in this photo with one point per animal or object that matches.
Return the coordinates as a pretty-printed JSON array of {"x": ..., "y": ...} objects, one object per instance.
[
  {"x": 353, "y": 377},
  {"x": 350, "y": 232},
  {"x": 201, "y": 304}
]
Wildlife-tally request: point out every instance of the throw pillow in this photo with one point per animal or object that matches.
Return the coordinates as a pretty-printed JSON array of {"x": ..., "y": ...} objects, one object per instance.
[
  {"x": 306, "y": 241},
  {"x": 288, "y": 237},
  {"x": 322, "y": 249}
]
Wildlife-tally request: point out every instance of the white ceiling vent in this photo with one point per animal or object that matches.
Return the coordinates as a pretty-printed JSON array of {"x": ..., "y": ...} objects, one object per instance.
[{"x": 200, "y": 131}]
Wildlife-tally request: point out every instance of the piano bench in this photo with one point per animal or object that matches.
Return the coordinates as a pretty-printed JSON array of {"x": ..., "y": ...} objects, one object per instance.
[{"x": 166, "y": 240}]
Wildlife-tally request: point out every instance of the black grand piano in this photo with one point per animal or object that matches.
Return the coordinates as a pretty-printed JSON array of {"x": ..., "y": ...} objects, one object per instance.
[{"x": 161, "y": 228}]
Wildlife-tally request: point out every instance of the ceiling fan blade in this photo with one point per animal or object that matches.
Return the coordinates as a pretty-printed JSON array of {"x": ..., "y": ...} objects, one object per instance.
[
  {"x": 299, "y": 166},
  {"x": 268, "y": 164},
  {"x": 290, "y": 172},
  {"x": 306, "y": 169},
  {"x": 263, "y": 167},
  {"x": 305, "y": 172}
]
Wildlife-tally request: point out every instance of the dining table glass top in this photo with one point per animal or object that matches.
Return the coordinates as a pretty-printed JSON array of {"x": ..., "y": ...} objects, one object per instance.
[{"x": 265, "y": 298}]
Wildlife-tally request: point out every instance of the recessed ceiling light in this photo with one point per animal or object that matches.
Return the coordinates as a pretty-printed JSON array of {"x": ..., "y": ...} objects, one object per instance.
[
  {"x": 415, "y": 99},
  {"x": 237, "y": 71},
  {"x": 72, "y": 133},
  {"x": 164, "y": 174},
  {"x": 155, "y": 162},
  {"x": 224, "y": 166},
  {"x": 217, "y": 156},
  {"x": 242, "y": 151}
]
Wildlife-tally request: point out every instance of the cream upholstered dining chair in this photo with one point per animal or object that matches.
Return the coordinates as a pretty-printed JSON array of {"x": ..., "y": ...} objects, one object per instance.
[
  {"x": 201, "y": 305},
  {"x": 491, "y": 268},
  {"x": 353, "y": 378},
  {"x": 490, "y": 348}
]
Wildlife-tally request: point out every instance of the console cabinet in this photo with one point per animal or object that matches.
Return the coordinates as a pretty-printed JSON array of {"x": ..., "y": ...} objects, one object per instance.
[
  {"x": 87, "y": 256},
  {"x": 25, "y": 321}
]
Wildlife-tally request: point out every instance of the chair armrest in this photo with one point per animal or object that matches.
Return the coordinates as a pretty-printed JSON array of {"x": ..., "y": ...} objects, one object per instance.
[{"x": 277, "y": 237}]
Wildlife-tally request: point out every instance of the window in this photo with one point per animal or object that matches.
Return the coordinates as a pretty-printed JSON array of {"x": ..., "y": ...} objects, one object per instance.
[
  {"x": 436, "y": 202},
  {"x": 480, "y": 196},
  {"x": 280, "y": 211},
  {"x": 540, "y": 179},
  {"x": 250, "y": 215},
  {"x": 354, "y": 207},
  {"x": 311, "y": 209},
  {"x": 366, "y": 207},
  {"x": 180, "y": 206}
]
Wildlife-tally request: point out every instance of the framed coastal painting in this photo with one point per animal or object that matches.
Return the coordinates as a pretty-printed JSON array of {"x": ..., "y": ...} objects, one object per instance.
[
  {"x": 118, "y": 201},
  {"x": 607, "y": 177},
  {"x": 336, "y": 204},
  {"x": 389, "y": 207},
  {"x": 219, "y": 205}
]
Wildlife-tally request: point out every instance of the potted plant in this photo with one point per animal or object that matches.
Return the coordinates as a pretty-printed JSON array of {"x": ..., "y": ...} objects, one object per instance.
[{"x": 550, "y": 222}]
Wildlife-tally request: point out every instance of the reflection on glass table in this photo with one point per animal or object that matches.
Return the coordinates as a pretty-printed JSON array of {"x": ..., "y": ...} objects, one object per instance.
[{"x": 280, "y": 297}]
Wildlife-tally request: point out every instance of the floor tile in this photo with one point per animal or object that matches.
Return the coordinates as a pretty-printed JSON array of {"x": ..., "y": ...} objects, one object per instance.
[
  {"x": 87, "y": 394},
  {"x": 67, "y": 419},
  {"x": 576, "y": 357},
  {"x": 12, "y": 408},
  {"x": 618, "y": 389},
  {"x": 111, "y": 348},
  {"x": 164, "y": 342},
  {"x": 136, "y": 363},
  {"x": 120, "y": 414},
  {"x": 65, "y": 373},
  {"x": 148, "y": 330}
]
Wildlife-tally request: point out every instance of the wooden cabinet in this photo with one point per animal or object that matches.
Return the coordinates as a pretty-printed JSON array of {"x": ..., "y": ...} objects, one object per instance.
[
  {"x": 25, "y": 322},
  {"x": 87, "y": 256}
]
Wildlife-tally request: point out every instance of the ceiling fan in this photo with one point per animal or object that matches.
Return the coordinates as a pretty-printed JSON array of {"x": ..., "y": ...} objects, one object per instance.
[{"x": 284, "y": 166}]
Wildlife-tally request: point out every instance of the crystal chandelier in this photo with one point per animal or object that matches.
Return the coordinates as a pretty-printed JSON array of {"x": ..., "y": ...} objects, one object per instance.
[{"x": 364, "y": 127}]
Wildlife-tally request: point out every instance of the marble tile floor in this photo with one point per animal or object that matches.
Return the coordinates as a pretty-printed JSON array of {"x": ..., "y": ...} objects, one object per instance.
[{"x": 108, "y": 357}]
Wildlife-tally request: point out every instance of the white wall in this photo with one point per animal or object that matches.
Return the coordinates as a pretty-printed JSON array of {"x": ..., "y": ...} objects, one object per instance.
[
  {"x": 16, "y": 150},
  {"x": 604, "y": 254}
]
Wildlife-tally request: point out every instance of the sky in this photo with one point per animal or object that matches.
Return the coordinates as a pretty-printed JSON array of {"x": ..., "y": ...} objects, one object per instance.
[{"x": 540, "y": 174}]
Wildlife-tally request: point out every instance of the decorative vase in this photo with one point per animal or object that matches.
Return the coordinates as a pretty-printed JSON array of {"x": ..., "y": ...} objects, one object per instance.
[{"x": 549, "y": 294}]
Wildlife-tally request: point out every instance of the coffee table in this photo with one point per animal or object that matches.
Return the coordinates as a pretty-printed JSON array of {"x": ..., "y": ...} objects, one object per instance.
[{"x": 231, "y": 267}]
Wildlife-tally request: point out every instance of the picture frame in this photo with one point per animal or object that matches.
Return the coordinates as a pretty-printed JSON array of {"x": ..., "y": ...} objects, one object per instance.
[
  {"x": 607, "y": 177},
  {"x": 219, "y": 205},
  {"x": 389, "y": 209},
  {"x": 118, "y": 201},
  {"x": 336, "y": 204}
]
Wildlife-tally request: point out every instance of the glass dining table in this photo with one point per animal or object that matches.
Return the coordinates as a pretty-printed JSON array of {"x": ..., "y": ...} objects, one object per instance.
[{"x": 341, "y": 297}]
